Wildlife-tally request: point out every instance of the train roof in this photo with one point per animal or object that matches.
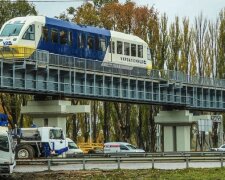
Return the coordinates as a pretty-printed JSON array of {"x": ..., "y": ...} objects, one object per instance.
[
  {"x": 70, "y": 25},
  {"x": 128, "y": 37}
]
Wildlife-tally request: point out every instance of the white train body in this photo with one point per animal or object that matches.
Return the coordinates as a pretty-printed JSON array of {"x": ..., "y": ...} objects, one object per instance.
[{"x": 21, "y": 36}]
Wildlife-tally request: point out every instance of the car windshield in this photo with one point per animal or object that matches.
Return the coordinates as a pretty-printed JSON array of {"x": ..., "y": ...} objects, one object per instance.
[
  {"x": 4, "y": 143},
  {"x": 131, "y": 146},
  {"x": 12, "y": 29},
  {"x": 72, "y": 145}
]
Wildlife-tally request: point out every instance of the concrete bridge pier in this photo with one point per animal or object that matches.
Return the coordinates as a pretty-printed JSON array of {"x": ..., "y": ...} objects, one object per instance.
[
  {"x": 176, "y": 125},
  {"x": 52, "y": 112}
]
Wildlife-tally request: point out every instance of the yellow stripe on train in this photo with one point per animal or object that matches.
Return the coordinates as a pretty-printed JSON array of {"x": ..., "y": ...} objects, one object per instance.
[{"x": 16, "y": 52}]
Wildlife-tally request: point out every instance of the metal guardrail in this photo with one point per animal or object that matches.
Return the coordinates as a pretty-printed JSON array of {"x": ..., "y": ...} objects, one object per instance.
[{"x": 118, "y": 158}]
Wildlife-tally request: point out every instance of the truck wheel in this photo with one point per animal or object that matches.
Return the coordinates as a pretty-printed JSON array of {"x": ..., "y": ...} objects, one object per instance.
[{"x": 24, "y": 152}]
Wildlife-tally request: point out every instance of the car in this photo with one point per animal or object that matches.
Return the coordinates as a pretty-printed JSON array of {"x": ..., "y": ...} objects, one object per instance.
[
  {"x": 73, "y": 149},
  {"x": 221, "y": 148},
  {"x": 121, "y": 147}
]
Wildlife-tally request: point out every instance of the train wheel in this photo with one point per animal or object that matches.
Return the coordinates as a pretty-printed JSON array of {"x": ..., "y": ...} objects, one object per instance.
[{"x": 24, "y": 152}]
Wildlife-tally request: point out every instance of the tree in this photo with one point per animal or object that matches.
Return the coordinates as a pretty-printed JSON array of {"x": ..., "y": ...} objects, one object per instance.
[
  {"x": 186, "y": 40},
  {"x": 199, "y": 36},
  {"x": 221, "y": 45},
  {"x": 9, "y": 10},
  {"x": 175, "y": 45},
  {"x": 162, "y": 49}
]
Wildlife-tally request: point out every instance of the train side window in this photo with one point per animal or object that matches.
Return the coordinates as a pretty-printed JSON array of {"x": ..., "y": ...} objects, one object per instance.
[
  {"x": 81, "y": 40},
  {"x": 54, "y": 35},
  {"x": 30, "y": 33},
  {"x": 133, "y": 50},
  {"x": 70, "y": 38},
  {"x": 119, "y": 47},
  {"x": 102, "y": 44},
  {"x": 63, "y": 37},
  {"x": 45, "y": 33},
  {"x": 127, "y": 49},
  {"x": 112, "y": 47},
  {"x": 140, "y": 51},
  {"x": 90, "y": 42}
]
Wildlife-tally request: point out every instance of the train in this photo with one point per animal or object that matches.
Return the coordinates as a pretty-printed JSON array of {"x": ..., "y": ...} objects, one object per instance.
[{"x": 21, "y": 36}]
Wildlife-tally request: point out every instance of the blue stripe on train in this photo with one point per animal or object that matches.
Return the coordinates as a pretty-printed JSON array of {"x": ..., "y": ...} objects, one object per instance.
[{"x": 73, "y": 50}]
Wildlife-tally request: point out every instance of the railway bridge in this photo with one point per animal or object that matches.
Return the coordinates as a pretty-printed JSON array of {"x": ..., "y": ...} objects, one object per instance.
[{"x": 47, "y": 74}]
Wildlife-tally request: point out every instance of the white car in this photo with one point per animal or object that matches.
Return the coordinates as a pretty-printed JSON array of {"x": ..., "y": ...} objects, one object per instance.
[
  {"x": 73, "y": 149},
  {"x": 221, "y": 148},
  {"x": 121, "y": 147}
]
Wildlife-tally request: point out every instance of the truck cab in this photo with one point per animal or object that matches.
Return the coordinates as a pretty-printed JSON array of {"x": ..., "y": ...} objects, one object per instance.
[
  {"x": 40, "y": 142},
  {"x": 7, "y": 151}
]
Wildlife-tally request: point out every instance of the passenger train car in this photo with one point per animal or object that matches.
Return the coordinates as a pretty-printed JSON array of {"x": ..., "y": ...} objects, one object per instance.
[{"x": 21, "y": 36}]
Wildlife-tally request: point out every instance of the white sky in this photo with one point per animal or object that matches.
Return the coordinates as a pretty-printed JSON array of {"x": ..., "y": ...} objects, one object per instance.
[{"x": 188, "y": 8}]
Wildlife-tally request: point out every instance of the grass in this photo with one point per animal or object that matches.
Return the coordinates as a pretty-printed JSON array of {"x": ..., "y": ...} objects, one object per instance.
[{"x": 184, "y": 174}]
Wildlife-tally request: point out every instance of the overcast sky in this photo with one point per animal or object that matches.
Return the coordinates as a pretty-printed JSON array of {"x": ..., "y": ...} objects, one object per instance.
[{"x": 188, "y": 8}]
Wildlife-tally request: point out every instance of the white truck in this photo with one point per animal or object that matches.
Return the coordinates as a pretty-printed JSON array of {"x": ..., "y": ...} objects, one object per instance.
[
  {"x": 40, "y": 142},
  {"x": 7, "y": 151}
]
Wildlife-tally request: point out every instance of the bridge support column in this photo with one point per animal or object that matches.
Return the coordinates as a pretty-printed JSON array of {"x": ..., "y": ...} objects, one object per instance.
[
  {"x": 52, "y": 112},
  {"x": 176, "y": 129}
]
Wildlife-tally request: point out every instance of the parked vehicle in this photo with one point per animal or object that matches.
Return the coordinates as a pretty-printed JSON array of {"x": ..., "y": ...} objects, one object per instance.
[
  {"x": 73, "y": 149},
  {"x": 221, "y": 148},
  {"x": 40, "y": 142},
  {"x": 121, "y": 147},
  {"x": 7, "y": 147}
]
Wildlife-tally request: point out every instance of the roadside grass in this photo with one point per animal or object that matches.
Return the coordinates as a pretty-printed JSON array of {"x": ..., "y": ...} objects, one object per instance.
[{"x": 149, "y": 174}]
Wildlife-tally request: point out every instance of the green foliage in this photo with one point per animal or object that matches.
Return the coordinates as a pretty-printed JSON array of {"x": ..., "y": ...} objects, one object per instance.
[
  {"x": 9, "y": 10},
  {"x": 221, "y": 45},
  {"x": 175, "y": 45},
  {"x": 100, "y": 3}
]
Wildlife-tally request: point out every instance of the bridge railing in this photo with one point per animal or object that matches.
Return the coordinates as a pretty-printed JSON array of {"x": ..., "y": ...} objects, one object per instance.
[
  {"x": 189, "y": 159},
  {"x": 44, "y": 57}
]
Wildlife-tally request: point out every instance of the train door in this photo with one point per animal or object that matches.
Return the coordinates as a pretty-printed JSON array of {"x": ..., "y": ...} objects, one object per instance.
[
  {"x": 81, "y": 44},
  {"x": 38, "y": 33},
  {"x": 102, "y": 48}
]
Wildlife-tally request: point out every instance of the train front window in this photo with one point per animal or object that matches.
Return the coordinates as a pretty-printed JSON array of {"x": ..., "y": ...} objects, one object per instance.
[
  {"x": 4, "y": 143},
  {"x": 30, "y": 33},
  {"x": 12, "y": 29}
]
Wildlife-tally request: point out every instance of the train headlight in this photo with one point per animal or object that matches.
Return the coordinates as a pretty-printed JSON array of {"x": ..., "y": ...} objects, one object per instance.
[{"x": 149, "y": 67}]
